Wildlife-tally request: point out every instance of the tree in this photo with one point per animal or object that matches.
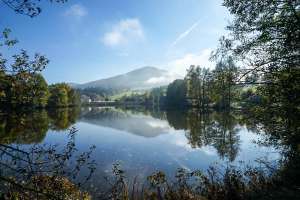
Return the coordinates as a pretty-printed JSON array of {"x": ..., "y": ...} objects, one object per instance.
[
  {"x": 176, "y": 93},
  {"x": 24, "y": 90},
  {"x": 156, "y": 96},
  {"x": 20, "y": 77},
  {"x": 45, "y": 171},
  {"x": 27, "y": 7},
  {"x": 62, "y": 95},
  {"x": 39, "y": 90},
  {"x": 264, "y": 32},
  {"x": 20, "y": 83},
  {"x": 265, "y": 36},
  {"x": 58, "y": 95},
  {"x": 223, "y": 82},
  {"x": 73, "y": 97},
  {"x": 206, "y": 79},
  {"x": 193, "y": 84},
  {"x": 198, "y": 82},
  {"x": 3, "y": 86}
]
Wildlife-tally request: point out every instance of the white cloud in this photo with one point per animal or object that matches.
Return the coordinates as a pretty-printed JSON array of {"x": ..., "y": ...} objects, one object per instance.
[
  {"x": 76, "y": 11},
  {"x": 123, "y": 32},
  {"x": 185, "y": 33},
  {"x": 160, "y": 80},
  {"x": 180, "y": 65}
]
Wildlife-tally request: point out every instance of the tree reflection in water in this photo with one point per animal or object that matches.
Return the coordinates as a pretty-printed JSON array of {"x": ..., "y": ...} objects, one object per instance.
[
  {"x": 280, "y": 129},
  {"x": 31, "y": 127},
  {"x": 217, "y": 129}
]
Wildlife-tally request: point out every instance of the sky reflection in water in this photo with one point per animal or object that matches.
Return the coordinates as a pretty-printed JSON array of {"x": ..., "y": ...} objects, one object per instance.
[{"x": 145, "y": 141}]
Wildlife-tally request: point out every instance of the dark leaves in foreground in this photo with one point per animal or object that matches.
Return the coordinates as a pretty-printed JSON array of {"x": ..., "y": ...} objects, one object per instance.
[
  {"x": 230, "y": 183},
  {"x": 30, "y": 8},
  {"x": 45, "y": 172}
]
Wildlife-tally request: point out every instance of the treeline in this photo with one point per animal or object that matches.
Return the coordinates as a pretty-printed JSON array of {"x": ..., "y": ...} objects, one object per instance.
[
  {"x": 22, "y": 84},
  {"x": 31, "y": 90},
  {"x": 153, "y": 97},
  {"x": 95, "y": 94},
  {"x": 263, "y": 41},
  {"x": 205, "y": 88},
  {"x": 62, "y": 95},
  {"x": 227, "y": 86}
]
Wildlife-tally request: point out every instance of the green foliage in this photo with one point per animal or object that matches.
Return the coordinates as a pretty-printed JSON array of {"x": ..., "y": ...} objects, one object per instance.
[
  {"x": 153, "y": 97},
  {"x": 263, "y": 181},
  {"x": 6, "y": 40},
  {"x": 194, "y": 84},
  {"x": 44, "y": 171},
  {"x": 265, "y": 35},
  {"x": 207, "y": 88},
  {"x": 24, "y": 89},
  {"x": 31, "y": 89},
  {"x": 156, "y": 97},
  {"x": 58, "y": 95},
  {"x": 176, "y": 94},
  {"x": 21, "y": 82},
  {"x": 96, "y": 94},
  {"x": 39, "y": 91},
  {"x": 30, "y": 8},
  {"x": 214, "y": 184},
  {"x": 223, "y": 90},
  {"x": 284, "y": 90}
]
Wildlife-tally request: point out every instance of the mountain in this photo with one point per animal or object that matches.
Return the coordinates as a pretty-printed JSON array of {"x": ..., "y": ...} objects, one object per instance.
[
  {"x": 142, "y": 78},
  {"x": 74, "y": 85}
]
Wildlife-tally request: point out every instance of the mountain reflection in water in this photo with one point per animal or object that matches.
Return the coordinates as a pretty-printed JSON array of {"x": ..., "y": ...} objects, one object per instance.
[{"x": 143, "y": 140}]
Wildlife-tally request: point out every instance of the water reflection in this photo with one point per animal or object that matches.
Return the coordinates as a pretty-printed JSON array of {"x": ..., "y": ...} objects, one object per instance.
[
  {"x": 144, "y": 140},
  {"x": 132, "y": 121},
  {"x": 32, "y": 127},
  {"x": 23, "y": 128},
  {"x": 148, "y": 140},
  {"x": 61, "y": 119},
  {"x": 220, "y": 131}
]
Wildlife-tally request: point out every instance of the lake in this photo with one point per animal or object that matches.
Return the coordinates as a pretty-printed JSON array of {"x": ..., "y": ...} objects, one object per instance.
[{"x": 145, "y": 140}]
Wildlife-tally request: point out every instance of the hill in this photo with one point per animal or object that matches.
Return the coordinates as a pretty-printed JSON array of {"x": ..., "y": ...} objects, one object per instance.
[{"x": 139, "y": 79}]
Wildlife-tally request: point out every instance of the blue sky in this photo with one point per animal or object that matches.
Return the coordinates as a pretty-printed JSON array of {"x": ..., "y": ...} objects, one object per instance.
[{"x": 92, "y": 39}]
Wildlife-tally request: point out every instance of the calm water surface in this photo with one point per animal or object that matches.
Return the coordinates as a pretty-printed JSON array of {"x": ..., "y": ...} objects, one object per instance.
[{"x": 143, "y": 140}]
